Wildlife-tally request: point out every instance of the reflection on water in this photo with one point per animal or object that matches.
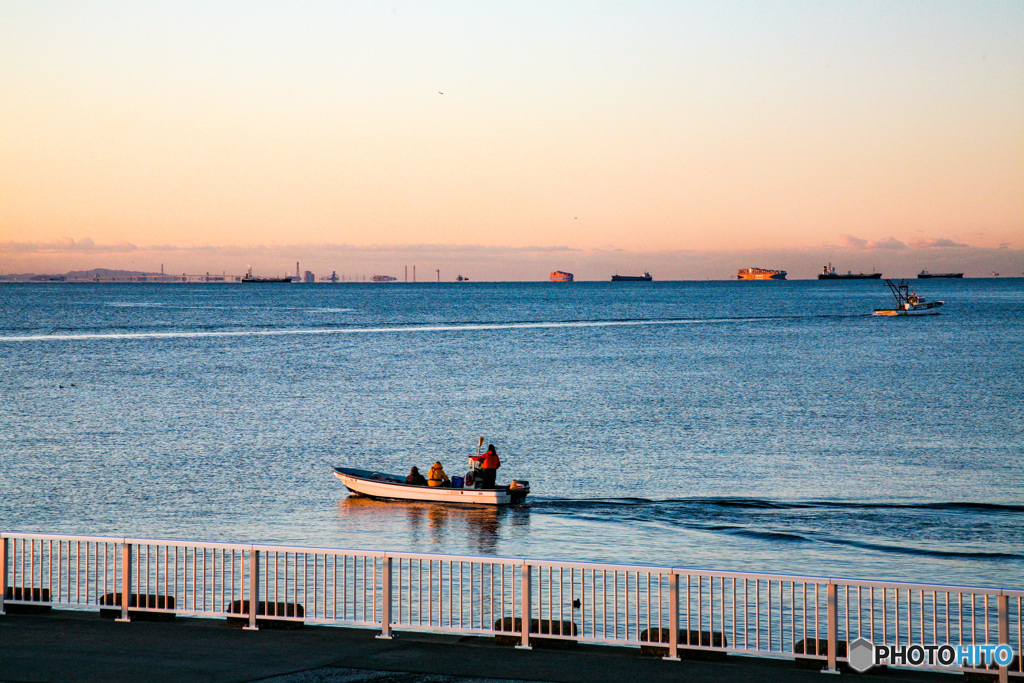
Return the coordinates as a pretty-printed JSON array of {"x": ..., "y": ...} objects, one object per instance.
[
  {"x": 430, "y": 527},
  {"x": 644, "y": 443}
]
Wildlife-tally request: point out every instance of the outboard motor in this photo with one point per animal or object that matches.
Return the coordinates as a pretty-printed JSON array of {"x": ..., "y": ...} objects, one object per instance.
[{"x": 518, "y": 489}]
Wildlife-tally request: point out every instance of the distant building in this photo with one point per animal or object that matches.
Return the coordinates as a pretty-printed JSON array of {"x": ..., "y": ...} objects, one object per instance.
[{"x": 309, "y": 277}]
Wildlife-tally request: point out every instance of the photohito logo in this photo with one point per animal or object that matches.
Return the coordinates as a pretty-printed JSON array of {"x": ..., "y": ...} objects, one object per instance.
[{"x": 864, "y": 654}]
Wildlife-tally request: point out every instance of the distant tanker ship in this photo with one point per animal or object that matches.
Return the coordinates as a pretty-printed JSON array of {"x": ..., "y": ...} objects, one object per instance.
[
  {"x": 646, "y": 277},
  {"x": 249, "y": 277},
  {"x": 829, "y": 273},
  {"x": 760, "y": 274},
  {"x": 924, "y": 274},
  {"x": 561, "y": 276}
]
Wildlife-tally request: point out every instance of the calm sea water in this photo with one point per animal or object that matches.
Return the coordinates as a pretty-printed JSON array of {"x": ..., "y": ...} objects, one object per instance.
[{"x": 722, "y": 425}]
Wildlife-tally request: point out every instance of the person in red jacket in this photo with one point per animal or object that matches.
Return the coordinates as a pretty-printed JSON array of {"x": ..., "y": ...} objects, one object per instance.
[{"x": 489, "y": 464}]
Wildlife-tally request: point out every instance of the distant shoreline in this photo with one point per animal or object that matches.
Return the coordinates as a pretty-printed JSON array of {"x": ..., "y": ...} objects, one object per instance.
[{"x": 157, "y": 278}]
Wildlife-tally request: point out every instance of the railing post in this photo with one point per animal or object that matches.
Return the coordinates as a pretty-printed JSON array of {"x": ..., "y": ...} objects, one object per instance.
[
  {"x": 524, "y": 610},
  {"x": 1003, "y": 617},
  {"x": 673, "y": 617},
  {"x": 832, "y": 618},
  {"x": 385, "y": 611},
  {"x": 254, "y": 589},
  {"x": 3, "y": 571},
  {"x": 126, "y": 579}
]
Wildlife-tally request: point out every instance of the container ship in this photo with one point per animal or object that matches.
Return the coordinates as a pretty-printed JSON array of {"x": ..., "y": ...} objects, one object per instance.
[
  {"x": 760, "y": 274},
  {"x": 646, "y": 277},
  {"x": 561, "y": 276},
  {"x": 924, "y": 274},
  {"x": 829, "y": 273}
]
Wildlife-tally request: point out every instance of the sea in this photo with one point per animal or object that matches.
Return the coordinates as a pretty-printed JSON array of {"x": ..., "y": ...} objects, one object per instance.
[{"x": 747, "y": 426}]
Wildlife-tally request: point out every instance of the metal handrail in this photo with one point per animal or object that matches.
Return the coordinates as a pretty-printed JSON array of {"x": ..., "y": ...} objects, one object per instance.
[{"x": 670, "y": 608}]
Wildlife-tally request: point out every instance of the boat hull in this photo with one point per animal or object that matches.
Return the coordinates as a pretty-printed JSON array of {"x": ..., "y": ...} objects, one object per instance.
[
  {"x": 849, "y": 276},
  {"x": 631, "y": 278},
  {"x": 931, "y": 308},
  {"x": 393, "y": 487},
  {"x": 925, "y": 275}
]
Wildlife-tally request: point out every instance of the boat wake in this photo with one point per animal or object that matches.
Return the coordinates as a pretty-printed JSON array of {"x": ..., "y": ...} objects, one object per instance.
[
  {"x": 193, "y": 333},
  {"x": 938, "y": 529}
]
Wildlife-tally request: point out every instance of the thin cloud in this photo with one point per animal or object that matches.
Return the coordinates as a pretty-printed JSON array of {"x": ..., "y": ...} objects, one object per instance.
[
  {"x": 69, "y": 245},
  {"x": 936, "y": 243},
  {"x": 858, "y": 243},
  {"x": 891, "y": 243}
]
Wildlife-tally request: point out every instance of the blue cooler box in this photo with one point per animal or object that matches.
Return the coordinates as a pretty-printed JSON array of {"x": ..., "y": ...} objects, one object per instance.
[{"x": 456, "y": 482}]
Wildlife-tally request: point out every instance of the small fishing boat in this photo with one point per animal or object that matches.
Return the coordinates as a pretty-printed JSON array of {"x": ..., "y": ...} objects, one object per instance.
[
  {"x": 907, "y": 302},
  {"x": 384, "y": 486}
]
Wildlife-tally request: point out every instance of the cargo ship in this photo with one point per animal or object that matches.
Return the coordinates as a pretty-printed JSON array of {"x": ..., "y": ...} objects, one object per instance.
[
  {"x": 924, "y": 274},
  {"x": 383, "y": 278},
  {"x": 249, "y": 277},
  {"x": 646, "y": 277},
  {"x": 561, "y": 276},
  {"x": 760, "y": 274},
  {"x": 829, "y": 273}
]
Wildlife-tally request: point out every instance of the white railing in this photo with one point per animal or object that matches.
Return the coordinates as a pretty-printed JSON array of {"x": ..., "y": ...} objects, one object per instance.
[{"x": 672, "y": 609}]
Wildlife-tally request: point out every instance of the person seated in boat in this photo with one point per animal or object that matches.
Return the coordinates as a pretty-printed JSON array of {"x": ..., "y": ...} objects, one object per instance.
[
  {"x": 437, "y": 477},
  {"x": 415, "y": 478},
  {"x": 489, "y": 464}
]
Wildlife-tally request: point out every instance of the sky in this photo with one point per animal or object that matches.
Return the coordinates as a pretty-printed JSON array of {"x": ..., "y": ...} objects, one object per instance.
[{"x": 505, "y": 140}]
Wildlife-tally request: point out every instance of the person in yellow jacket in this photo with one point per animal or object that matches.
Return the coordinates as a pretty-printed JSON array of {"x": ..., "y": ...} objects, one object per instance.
[{"x": 437, "y": 477}]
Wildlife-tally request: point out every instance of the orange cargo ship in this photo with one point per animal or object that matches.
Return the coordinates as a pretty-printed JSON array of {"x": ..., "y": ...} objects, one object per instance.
[
  {"x": 760, "y": 274},
  {"x": 561, "y": 276}
]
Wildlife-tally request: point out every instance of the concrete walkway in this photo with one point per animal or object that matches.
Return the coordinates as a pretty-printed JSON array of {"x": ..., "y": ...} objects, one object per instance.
[{"x": 80, "y": 646}]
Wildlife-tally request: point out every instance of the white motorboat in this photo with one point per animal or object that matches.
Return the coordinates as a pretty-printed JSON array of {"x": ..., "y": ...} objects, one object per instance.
[
  {"x": 907, "y": 302},
  {"x": 393, "y": 487}
]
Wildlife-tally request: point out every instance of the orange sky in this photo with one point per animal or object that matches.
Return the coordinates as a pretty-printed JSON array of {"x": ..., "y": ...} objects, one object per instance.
[{"x": 648, "y": 128}]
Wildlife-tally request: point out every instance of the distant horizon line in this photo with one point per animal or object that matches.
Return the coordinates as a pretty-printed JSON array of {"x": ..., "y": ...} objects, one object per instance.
[
  {"x": 120, "y": 276},
  {"x": 481, "y": 263}
]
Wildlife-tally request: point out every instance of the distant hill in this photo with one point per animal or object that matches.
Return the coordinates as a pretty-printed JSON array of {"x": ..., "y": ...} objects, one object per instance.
[{"x": 102, "y": 273}]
